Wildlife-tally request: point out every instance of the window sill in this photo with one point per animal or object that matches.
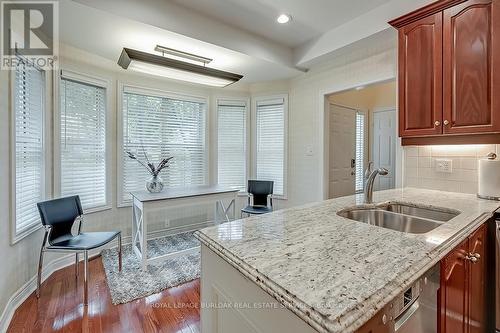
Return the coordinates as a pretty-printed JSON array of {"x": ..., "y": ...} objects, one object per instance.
[
  {"x": 124, "y": 204},
  {"x": 17, "y": 237},
  {"x": 96, "y": 209},
  {"x": 276, "y": 196}
]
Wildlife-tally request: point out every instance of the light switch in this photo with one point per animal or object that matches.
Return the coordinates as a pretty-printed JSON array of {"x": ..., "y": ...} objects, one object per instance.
[
  {"x": 444, "y": 165},
  {"x": 309, "y": 150}
]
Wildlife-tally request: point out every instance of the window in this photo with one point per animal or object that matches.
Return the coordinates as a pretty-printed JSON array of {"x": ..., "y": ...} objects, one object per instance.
[
  {"x": 83, "y": 141},
  {"x": 232, "y": 143},
  {"x": 270, "y": 142},
  {"x": 28, "y": 103},
  {"x": 360, "y": 151},
  {"x": 163, "y": 126}
]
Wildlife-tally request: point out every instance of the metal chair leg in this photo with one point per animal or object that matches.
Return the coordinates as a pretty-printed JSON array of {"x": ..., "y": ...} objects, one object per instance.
[
  {"x": 120, "y": 252},
  {"x": 39, "y": 277},
  {"x": 77, "y": 261},
  {"x": 86, "y": 278}
]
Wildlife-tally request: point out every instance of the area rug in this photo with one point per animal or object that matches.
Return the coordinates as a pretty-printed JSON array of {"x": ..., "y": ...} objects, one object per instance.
[{"x": 133, "y": 282}]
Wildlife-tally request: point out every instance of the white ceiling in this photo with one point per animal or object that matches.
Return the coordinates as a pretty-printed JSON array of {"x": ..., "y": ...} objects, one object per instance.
[
  {"x": 241, "y": 36},
  {"x": 310, "y": 18},
  {"x": 105, "y": 34}
]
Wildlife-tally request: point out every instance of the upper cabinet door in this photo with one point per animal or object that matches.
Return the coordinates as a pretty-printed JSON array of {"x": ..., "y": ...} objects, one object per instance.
[
  {"x": 471, "y": 59},
  {"x": 420, "y": 77}
]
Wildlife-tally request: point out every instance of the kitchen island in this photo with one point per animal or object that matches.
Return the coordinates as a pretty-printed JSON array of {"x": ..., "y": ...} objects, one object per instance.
[{"x": 306, "y": 269}]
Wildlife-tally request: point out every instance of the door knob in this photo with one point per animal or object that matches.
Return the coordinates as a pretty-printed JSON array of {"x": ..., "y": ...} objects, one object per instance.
[
  {"x": 437, "y": 123},
  {"x": 446, "y": 122}
]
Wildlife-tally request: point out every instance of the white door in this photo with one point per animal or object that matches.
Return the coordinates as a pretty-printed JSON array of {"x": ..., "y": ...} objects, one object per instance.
[
  {"x": 384, "y": 147},
  {"x": 342, "y": 145}
]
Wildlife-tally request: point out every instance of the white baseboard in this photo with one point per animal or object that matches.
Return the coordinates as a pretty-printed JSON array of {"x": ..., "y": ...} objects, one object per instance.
[
  {"x": 29, "y": 287},
  {"x": 69, "y": 259}
]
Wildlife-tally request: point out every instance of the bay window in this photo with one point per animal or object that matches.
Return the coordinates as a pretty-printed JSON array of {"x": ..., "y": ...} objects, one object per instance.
[
  {"x": 83, "y": 140},
  {"x": 29, "y": 160},
  {"x": 163, "y": 125},
  {"x": 232, "y": 153},
  {"x": 270, "y": 141}
]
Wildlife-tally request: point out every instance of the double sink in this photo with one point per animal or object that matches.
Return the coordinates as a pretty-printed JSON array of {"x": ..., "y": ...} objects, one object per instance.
[{"x": 401, "y": 217}]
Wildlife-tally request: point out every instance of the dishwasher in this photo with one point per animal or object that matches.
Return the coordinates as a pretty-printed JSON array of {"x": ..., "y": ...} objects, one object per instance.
[{"x": 416, "y": 309}]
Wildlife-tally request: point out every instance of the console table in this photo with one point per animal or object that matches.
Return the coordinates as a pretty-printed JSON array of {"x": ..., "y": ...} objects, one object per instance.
[{"x": 144, "y": 201}]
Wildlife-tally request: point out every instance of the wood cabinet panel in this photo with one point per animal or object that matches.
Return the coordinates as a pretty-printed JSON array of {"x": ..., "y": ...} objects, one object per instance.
[
  {"x": 420, "y": 77},
  {"x": 463, "y": 296},
  {"x": 454, "y": 285},
  {"x": 449, "y": 71},
  {"x": 377, "y": 325},
  {"x": 477, "y": 282},
  {"x": 468, "y": 67}
]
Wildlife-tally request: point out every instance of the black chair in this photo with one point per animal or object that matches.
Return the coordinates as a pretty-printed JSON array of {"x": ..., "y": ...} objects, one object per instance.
[
  {"x": 58, "y": 217},
  {"x": 259, "y": 191}
]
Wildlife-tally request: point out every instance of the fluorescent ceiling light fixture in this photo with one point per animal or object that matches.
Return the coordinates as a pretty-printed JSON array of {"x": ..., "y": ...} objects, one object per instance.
[
  {"x": 283, "y": 18},
  {"x": 183, "y": 56},
  {"x": 175, "y": 69}
]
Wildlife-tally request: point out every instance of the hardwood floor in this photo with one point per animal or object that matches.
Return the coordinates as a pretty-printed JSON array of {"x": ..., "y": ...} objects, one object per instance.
[{"x": 60, "y": 307}]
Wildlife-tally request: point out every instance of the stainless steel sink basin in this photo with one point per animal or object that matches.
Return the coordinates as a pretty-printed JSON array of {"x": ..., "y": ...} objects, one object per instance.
[
  {"x": 426, "y": 213},
  {"x": 388, "y": 219}
]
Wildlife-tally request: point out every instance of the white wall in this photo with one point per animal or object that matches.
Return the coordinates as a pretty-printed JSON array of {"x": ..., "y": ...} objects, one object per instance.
[
  {"x": 420, "y": 167},
  {"x": 306, "y": 126}
]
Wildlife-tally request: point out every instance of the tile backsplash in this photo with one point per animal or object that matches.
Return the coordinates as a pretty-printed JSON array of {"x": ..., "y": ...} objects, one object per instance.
[{"x": 420, "y": 166}]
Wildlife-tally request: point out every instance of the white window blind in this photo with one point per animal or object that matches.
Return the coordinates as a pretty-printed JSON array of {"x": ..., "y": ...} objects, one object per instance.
[
  {"x": 270, "y": 142},
  {"x": 83, "y": 142},
  {"x": 232, "y": 144},
  {"x": 163, "y": 127},
  {"x": 28, "y": 108},
  {"x": 360, "y": 151}
]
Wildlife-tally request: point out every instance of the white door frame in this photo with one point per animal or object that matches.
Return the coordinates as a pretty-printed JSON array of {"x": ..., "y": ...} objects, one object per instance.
[{"x": 324, "y": 105}]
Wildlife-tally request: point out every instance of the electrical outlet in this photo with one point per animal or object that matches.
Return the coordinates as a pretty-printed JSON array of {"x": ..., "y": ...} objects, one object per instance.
[{"x": 444, "y": 165}]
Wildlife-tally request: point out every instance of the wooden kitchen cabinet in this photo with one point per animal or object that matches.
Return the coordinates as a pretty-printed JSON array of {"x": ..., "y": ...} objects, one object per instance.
[
  {"x": 449, "y": 63},
  {"x": 477, "y": 283},
  {"x": 420, "y": 77},
  {"x": 471, "y": 59},
  {"x": 463, "y": 286},
  {"x": 379, "y": 323}
]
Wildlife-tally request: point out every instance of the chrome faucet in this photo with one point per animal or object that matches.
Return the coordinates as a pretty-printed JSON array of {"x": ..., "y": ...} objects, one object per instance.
[{"x": 370, "y": 179}]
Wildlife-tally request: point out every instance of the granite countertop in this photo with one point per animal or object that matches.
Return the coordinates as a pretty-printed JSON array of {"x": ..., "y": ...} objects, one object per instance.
[{"x": 336, "y": 273}]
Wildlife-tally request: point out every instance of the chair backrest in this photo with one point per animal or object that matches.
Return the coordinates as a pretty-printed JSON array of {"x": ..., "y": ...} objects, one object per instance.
[
  {"x": 260, "y": 190},
  {"x": 60, "y": 214}
]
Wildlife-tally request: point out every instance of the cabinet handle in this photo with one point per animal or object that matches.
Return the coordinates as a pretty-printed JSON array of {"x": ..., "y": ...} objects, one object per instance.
[
  {"x": 437, "y": 123},
  {"x": 446, "y": 122},
  {"x": 473, "y": 257}
]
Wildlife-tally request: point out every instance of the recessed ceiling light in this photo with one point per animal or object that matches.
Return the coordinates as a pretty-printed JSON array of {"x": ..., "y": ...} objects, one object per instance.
[
  {"x": 283, "y": 18},
  {"x": 360, "y": 88}
]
